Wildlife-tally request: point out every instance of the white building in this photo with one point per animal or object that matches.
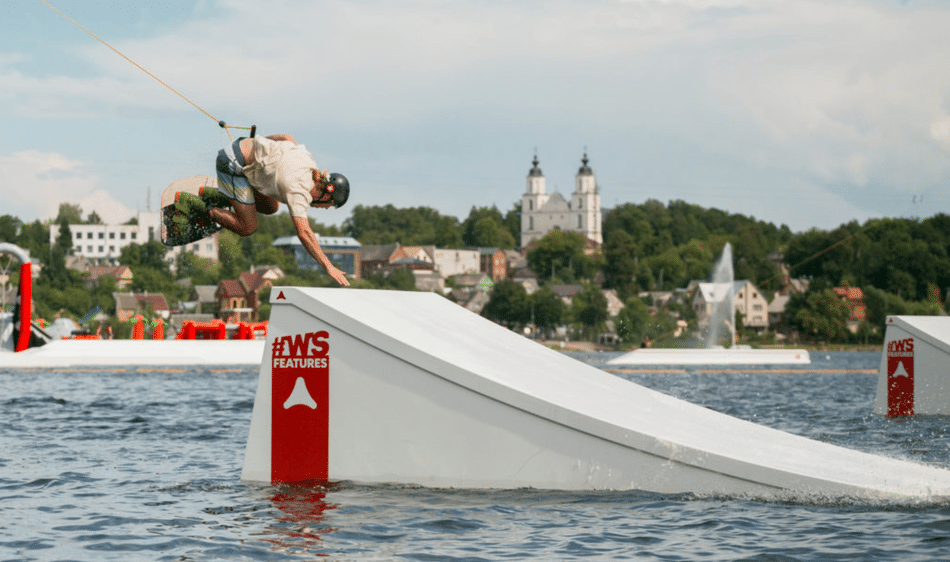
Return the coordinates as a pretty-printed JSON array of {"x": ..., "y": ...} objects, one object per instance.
[
  {"x": 747, "y": 301},
  {"x": 103, "y": 243},
  {"x": 450, "y": 262},
  {"x": 542, "y": 213}
]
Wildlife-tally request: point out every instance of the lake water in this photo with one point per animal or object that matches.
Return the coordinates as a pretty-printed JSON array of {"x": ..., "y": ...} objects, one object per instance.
[{"x": 144, "y": 464}]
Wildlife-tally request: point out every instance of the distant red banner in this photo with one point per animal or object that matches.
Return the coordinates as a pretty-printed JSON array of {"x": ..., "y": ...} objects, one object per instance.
[
  {"x": 300, "y": 413},
  {"x": 900, "y": 377}
]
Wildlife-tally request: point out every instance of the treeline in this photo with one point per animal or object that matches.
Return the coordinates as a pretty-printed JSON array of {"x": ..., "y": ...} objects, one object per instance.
[
  {"x": 653, "y": 246},
  {"x": 902, "y": 265},
  {"x": 905, "y": 257},
  {"x": 423, "y": 226}
]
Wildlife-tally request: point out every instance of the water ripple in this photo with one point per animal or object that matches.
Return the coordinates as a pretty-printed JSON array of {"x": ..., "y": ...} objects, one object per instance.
[{"x": 101, "y": 465}]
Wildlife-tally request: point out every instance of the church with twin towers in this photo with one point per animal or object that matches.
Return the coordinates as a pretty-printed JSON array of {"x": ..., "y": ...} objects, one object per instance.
[{"x": 542, "y": 213}]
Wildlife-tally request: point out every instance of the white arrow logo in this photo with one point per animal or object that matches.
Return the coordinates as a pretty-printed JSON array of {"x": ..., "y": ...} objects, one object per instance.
[
  {"x": 300, "y": 396},
  {"x": 900, "y": 371}
]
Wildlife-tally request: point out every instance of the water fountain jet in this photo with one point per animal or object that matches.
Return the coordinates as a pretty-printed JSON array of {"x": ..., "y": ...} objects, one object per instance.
[
  {"x": 723, "y": 294},
  {"x": 720, "y": 292}
]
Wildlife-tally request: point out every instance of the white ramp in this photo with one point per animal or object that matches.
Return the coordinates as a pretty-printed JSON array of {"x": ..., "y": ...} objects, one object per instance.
[
  {"x": 914, "y": 376},
  {"x": 404, "y": 387}
]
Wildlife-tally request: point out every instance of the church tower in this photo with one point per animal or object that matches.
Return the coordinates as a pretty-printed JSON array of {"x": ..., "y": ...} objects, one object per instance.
[
  {"x": 585, "y": 204},
  {"x": 531, "y": 203}
]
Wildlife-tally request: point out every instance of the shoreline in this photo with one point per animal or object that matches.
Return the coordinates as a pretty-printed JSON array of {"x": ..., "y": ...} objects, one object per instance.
[{"x": 591, "y": 347}]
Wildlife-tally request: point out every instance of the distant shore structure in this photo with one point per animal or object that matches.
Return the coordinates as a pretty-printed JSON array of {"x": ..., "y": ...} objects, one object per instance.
[{"x": 542, "y": 213}]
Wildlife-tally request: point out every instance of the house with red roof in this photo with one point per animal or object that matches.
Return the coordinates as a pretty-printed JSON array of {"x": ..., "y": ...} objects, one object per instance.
[
  {"x": 239, "y": 298},
  {"x": 128, "y": 305},
  {"x": 121, "y": 273},
  {"x": 854, "y": 298}
]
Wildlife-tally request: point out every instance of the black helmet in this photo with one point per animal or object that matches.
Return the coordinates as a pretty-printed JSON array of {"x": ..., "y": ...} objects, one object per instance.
[{"x": 339, "y": 189}]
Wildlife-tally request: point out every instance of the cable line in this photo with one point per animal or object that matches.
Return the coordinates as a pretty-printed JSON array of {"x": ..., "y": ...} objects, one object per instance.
[{"x": 220, "y": 123}]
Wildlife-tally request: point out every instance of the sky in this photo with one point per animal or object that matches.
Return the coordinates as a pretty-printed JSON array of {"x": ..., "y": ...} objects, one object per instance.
[{"x": 805, "y": 113}]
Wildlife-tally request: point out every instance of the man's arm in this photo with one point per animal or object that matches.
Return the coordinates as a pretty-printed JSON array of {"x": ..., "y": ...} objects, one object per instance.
[
  {"x": 309, "y": 240},
  {"x": 282, "y": 137}
]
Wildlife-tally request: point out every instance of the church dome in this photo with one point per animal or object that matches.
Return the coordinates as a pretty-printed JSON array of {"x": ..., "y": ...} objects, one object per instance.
[
  {"x": 535, "y": 171},
  {"x": 585, "y": 169}
]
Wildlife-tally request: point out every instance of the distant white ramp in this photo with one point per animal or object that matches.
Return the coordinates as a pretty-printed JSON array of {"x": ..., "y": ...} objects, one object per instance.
[
  {"x": 718, "y": 356},
  {"x": 405, "y": 387},
  {"x": 914, "y": 376}
]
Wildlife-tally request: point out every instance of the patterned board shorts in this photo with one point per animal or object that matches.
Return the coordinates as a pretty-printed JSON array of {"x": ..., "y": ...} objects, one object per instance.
[{"x": 231, "y": 179}]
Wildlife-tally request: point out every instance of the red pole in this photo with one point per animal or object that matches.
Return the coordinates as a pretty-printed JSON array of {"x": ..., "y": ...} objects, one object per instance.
[{"x": 26, "y": 306}]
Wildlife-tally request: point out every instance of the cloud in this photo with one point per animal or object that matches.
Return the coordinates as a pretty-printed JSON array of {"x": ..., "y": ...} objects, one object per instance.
[
  {"x": 33, "y": 184},
  {"x": 940, "y": 132},
  {"x": 847, "y": 98}
]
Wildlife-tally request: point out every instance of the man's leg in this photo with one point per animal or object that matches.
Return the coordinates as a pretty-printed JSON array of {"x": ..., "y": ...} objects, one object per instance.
[
  {"x": 234, "y": 185},
  {"x": 242, "y": 221},
  {"x": 265, "y": 205}
]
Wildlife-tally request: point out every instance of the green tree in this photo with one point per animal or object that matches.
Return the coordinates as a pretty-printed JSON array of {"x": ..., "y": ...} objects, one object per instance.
[
  {"x": 70, "y": 212},
  {"x": 488, "y": 232},
  {"x": 55, "y": 273},
  {"x": 632, "y": 321},
  {"x": 101, "y": 294},
  {"x": 824, "y": 316},
  {"x": 231, "y": 258},
  {"x": 150, "y": 254},
  {"x": 34, "y": 237},
  {"x": 396, "y": 280},
  {"x": 409, "y": 227},
  {"x": 560, "y": 255},
  {"x": 485, "y": 227},
  {"x": 547, "y": 309},
  {"x": 661, "y": 224},
  {"x": 513, "y": 222},
  {"x": 620, "y": 268},
  {"x": 635, "y": 325},
  {"x": 669, "y": 268},
  {"x": 10, "y": 228},
  {"x": 201, "y": 271},
  {"x": 590, "y": 306},
  {"x": 698, "y": 259},
  {"x": 509, "y": 304},
  {"x": 631, "y": 219}
]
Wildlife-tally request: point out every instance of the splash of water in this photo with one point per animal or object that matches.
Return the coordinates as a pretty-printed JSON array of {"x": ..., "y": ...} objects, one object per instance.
[{"x": 724, "y": 313}]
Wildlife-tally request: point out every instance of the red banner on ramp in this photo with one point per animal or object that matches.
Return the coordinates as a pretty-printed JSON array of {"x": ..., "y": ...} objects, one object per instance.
[
  {"x": 900, "y": 377},
  {"x": 300, "y": 413}
]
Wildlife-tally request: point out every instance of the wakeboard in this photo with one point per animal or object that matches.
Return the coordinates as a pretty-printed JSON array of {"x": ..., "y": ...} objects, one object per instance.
[{"x": 199, "y": 225}]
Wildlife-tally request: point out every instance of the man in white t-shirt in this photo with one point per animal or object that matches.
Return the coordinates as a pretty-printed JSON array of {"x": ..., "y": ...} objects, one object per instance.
[{"x": 256, "y": 175}]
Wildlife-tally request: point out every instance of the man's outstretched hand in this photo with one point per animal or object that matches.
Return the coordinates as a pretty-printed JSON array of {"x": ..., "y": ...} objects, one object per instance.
[{"x": 339, "y": 276}]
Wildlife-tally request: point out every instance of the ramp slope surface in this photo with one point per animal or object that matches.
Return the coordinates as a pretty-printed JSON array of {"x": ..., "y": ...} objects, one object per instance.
[{"x": 422, "y": 391}]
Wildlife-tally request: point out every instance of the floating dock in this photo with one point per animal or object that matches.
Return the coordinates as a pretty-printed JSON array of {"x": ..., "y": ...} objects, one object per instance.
[
  {"x": 720, "y": 356},
  {"x": 66, "y": 354},
  {"x": 405, "y": 387}
]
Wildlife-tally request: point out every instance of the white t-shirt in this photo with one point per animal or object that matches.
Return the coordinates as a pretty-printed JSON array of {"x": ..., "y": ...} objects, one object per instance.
[{"x": 283, "y": 170}]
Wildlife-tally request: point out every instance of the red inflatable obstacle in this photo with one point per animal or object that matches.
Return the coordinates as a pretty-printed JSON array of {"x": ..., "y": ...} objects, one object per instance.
[
  {"x": 158, "y": 329},
  {"x": 138, "y": 327},
  {"x": 214, "y": 330},
  {"x": 23, "y": 310},
  {"x": 249, "y": 330}
]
